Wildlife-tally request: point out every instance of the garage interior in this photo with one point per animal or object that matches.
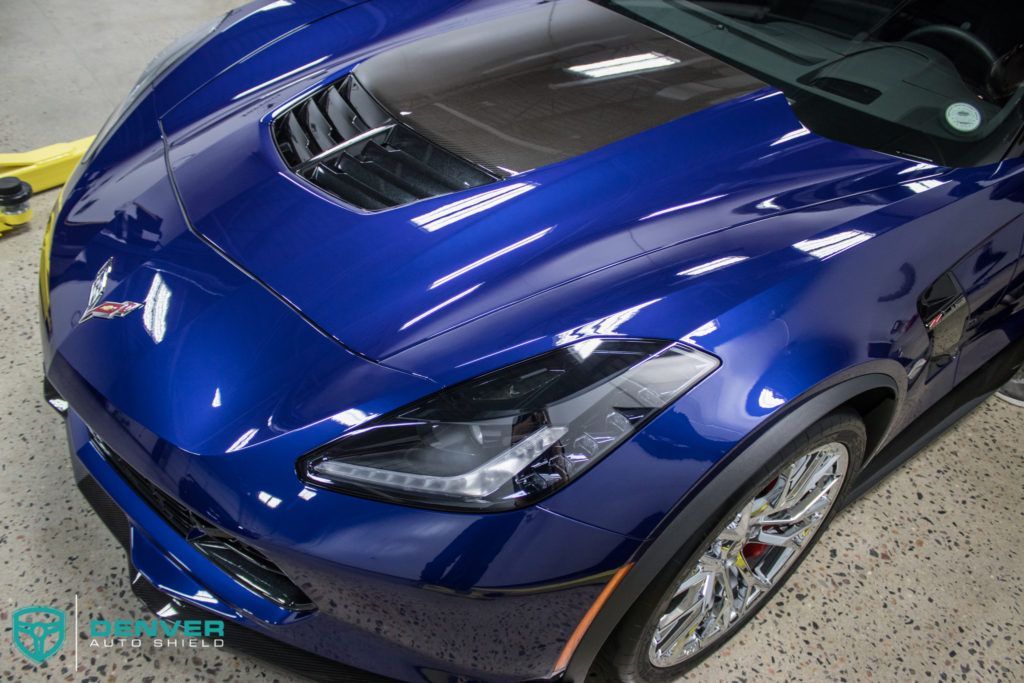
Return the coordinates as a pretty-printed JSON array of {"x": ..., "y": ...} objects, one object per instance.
[{"x": 921, "y": 579}]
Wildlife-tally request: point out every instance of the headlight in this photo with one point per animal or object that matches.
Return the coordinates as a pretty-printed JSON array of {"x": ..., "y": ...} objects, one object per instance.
[
  {"x": 167, "y": 58},
  {"x": 510, "y": 437}
]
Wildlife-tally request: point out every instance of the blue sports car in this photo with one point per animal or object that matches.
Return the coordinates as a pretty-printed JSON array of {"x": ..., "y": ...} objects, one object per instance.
[{"x": 526, "y": 339}]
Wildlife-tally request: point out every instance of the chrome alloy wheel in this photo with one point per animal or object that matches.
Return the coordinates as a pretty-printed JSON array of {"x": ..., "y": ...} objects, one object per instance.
[{"x": 749, "y": 555}]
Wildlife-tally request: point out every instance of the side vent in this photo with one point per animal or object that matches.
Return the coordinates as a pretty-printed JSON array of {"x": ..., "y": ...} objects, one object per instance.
[{"x": 341, "y": 140}]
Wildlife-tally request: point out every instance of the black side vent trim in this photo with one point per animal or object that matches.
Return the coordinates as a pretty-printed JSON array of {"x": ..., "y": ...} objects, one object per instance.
[{"x": 341, "y": 140}]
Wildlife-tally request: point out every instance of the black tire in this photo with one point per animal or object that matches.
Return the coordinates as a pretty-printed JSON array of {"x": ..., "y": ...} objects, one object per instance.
[{"x": 624, "y": 656}]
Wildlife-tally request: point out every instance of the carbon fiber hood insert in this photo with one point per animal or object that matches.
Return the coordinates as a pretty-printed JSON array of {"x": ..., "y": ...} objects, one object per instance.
[{"x": 545, "y": 84}]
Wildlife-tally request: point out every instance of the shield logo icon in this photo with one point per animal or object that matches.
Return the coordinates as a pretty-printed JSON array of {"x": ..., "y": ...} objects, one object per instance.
[{"x": 39, "y": 632}]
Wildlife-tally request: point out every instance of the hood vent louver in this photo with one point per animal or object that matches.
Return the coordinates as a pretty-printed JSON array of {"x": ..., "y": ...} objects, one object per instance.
[{"x": 341, "y": 140}]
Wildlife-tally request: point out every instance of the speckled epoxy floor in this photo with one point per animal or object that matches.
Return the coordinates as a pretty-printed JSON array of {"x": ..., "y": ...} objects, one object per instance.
[{"x": 921, "y": 580}]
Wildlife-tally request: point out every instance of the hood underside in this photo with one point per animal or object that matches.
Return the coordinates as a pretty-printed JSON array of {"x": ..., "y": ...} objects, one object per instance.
[{"x": 647, "y": 157}]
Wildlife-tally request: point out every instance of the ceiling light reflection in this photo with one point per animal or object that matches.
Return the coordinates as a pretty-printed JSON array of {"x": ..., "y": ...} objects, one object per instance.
[
  {"x": 702, "y": 331},
  {"x": 792, "y": 135},
  {"x": 920, "y": 186},
  {"x": 917, "y": 167},
  {"x": 464, "y": 208},
  {"x": 199, "y": 596},
  {"x": 673, "y": 209},
  {"x": 167, "y": 611},
  {"x": 268, "y": 500},
  {"x": 278, "y": 79},
  {"x": 490, "y": 257},
  {"x": 711, "y": 266},
  {"x": 441, "y": 305},
  {"x": 645, "y": 61},
  {"x": 353, "y": 417},
  {"x": 272, "y": 6},
  {"x": 157, "y": 304},
  {"x": 242, "y": 441},
  {"x": 826, "y": 247},
  {"x": 602, "y": 327},
  {"x": 769, "y": 399},
  {"x": 583, "y": 349}
]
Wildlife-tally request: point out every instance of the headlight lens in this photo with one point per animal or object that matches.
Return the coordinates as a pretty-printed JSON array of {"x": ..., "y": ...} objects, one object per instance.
[
  {"x": 156, "y": 68},
  {"x": 510, "y": 437}
]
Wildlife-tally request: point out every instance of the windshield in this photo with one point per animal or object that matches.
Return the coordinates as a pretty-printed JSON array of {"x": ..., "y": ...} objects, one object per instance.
[{"x": 934, "y": 80}]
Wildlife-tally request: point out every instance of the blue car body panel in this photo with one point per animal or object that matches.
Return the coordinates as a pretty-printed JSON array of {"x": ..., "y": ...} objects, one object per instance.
[
  {"x": 243, "y": 34},
  {"x": 277, "y": 318}
]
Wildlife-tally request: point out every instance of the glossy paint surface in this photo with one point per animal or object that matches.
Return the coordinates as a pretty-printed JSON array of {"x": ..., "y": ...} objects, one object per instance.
[
  {"x": 242, "y": 34},
  {"x": 464, "y": 255},
  {"x": 276, "y": 318},
  {"x": 546, "y": 84}
]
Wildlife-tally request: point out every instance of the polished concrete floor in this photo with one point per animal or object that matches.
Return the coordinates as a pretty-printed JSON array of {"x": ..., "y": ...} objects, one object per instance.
[{"x": 921, "y": 580}]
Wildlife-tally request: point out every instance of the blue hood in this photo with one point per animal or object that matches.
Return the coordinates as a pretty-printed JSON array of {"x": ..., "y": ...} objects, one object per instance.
[{"x": 383, "y": 282}]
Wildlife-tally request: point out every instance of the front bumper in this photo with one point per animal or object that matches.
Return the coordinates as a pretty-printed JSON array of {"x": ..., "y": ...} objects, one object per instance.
[
  {"x": 240, "y": 638},
  {"x": 428, "y": 628}
]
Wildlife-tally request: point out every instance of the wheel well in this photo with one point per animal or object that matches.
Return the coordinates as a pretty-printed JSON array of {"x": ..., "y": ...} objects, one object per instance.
[
  {"x": 873, "y": 396},
  {"x": 876, "y": 408}
]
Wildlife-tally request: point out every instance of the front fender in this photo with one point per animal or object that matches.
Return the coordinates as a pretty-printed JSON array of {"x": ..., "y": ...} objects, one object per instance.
[{"x": 688, "y": 523}]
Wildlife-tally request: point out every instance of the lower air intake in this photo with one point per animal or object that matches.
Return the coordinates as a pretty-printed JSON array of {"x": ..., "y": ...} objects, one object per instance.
[{"x": 241, "y": 561}]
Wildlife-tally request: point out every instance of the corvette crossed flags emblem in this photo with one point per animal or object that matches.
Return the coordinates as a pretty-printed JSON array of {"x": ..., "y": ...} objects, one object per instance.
[{"x": 106, "y": 309}]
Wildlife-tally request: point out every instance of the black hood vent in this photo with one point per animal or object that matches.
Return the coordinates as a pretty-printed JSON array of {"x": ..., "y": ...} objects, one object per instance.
[{"x": 343, "y": 141}]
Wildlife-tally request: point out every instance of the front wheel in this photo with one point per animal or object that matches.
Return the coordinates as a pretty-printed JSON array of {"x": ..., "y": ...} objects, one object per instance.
[{"x": 753, "y": 546}]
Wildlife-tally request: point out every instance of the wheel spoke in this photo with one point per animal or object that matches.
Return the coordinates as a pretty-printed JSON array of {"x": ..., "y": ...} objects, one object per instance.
[
  {"x": 692, "y": 600},
  {"x": 725, "y": 614},
  {"x": 739, "y": 528},
  {"x": 681, "y": 634},
  {"x": 793, "y": 539},
  {"x": 681, "y": 623},
  {"x": 751, "y": 578},
  {"x": 803, "y": 511},
  {"x": 813, "y": 471},
  {"x": 695, "y": 579},
  {"x": 732, "y": 576},
  {"x": 792, "y": 477}
]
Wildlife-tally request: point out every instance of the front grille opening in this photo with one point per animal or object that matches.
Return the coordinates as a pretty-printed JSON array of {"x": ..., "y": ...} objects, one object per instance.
[
  {"x": 341, "y": 140},
  {"x": 242, "y": 562}
]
